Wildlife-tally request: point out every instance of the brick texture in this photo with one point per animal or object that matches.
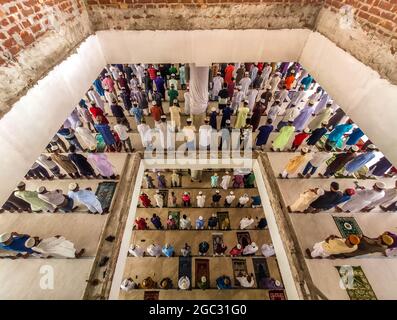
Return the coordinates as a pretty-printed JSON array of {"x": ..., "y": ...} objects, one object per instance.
[{"x": 24, "y": 22}]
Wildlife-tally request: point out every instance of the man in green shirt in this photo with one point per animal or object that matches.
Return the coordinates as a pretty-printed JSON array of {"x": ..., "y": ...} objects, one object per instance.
[{"x": 172, "y": 94}]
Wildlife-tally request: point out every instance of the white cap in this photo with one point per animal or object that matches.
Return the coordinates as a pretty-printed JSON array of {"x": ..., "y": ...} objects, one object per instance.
[
  {"x": 200, "y": 192},
  {"x": 355, "y": 148},
  {"x": 21, "y": 184},
  {"x": 228, "y": 121},
  {"x": 157, "y": 191},
  {"x": 158, "y": 73},
  {"x": 201, "y": 218},
  {"x": 269, "y": 87},
  {"x": 154, "y": 102},
  {"x": 307, "y": 130},
  {"x": 253, "y": 244},
  {"x": 311, "y": 102},
  {"x": 213, "y": 109},
  {"x": 380, "y": 185},
  {"x": 172, "y": 74},
  {"x": 246, "y": 101},
  {"x": 4, "y": 237},
  {"x": 92, "y": 148},
  {"x": 40, "y": 189},
  {"x": 170, "y": 217},
  {"x": 72, "y": 186},
  {"x": 231, "y": 192},
  {"x": 189, "y": 119},
  {"x": 305, "y": 150},
  {"x": 217, "y": 191},
  {"x": 54, "y": 148},
  {"x": 30, "y": 242},
  {"x": 263, "y": 100},
  {"x": 277, "y": 283},
  {"x": 238, "y": 246},
  {"x": 320, "y": 191},
  {"x": 246, "y": 72},
  {"x": 371, "y": 146},
  {"x": 227, "y": 172}
]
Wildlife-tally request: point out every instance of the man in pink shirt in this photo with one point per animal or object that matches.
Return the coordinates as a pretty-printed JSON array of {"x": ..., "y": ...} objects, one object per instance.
[{"x": 108, "y": 83}]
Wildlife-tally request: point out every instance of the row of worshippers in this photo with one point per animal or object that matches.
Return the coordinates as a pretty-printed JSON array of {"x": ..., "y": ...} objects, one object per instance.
[
  {"x": 43, "y": 200},
  {"x": 186, "y": 200},
  {"x": 185, "y": 223},
  {"x": 235, "y": 181},
  {"x": 244, "y": 280},
  {"x": 343, "y": 164},
  {"x": 335, "y": 247},
  {"x": 24, "y": 246},
  {"x": 76, "y": 165},
  {"x": 358, "y": 199},
  {"x": 220, "y": 249}
]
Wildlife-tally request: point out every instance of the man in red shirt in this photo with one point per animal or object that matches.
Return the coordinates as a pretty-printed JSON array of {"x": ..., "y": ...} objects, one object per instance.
[
  {"x": 229, "y": 72},
  {"x": 97, "y": 113},
  {"x": 156, "y": 112},
  {"x": 299, "y": 138},
  {"x": 152, "y": 72},
  {"x": 140, "y": 224}
]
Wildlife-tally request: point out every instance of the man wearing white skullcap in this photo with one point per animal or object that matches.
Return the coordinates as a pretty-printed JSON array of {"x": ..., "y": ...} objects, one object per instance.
[
  {"x": 364, "y": 198},
  {"x": 13, "y": 241},
  {"x": 200, "y": 200},
  {"x": 86, "y": 197},
  {"x": 245, "y": 83}
]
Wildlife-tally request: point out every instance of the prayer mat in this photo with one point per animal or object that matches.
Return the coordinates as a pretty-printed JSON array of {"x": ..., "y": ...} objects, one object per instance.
[
  {"x": 356, "y": 283},
  {"x": 105, "y": 192},
  {"x": 201, "y": 268},
  {"x": 185, "y": 268},
  {"x": 176, "y": 216},
  {"x": 164, "y": 192},
  {"x": 261, "y": 271},
  {"x": 223, "y": 220},
  {"x": 347, "y": 226},
  {"x": 277, "y": 295},
  {"x": 244, "y": 238},
  {"x": 217, "y": 238},
  {"x": 239, "y": 265},
  {"x": 151, "y": 295}
]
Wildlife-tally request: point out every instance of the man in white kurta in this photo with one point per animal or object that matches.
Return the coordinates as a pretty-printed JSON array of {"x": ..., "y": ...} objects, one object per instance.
[
  {"x": 245, "y": 83},
  {"x": 217, "y": 84},
  {"x": 57, "y": 247},
  {"x": 145, "y": 134},
  {"x": 267, "y": 70},
  {"x": 187, "y": 98},
  {"x": 85, "y": 197},
  {"x": 246, "y": 223},
  {"x": 136, "y": 251},
  {"x": 389, "y": 197},
  {"x": 94, "y": 96},
  {"x": 159, "y": 198},
  {"x": 252, "y": 94},
  {"x": 154, "y": 250},
  {"x": 200, "y": 200},
  {"x": 87, "y": 137},
  {"x": 305, "y": 199},
  {"x": 364, "y": 198},
  {"x": 225, "y": 181},
  {"x": 274, "y": 81}
]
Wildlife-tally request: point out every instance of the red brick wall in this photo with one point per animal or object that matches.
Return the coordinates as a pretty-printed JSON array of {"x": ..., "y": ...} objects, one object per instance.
[
  {"x": 373, "y": 15},
  {"x": 23, "y": 22}
]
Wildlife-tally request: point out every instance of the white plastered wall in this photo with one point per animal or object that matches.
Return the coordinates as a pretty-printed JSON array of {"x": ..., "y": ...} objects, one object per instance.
[
  {"x": 28, "y": 127},
  {"x": 31, "y": 123}
]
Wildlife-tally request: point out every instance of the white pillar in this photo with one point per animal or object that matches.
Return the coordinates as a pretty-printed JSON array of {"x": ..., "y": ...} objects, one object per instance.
[{"x": 198, "y": 87}]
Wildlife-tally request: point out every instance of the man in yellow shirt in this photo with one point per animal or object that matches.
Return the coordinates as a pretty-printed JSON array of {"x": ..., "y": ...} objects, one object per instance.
[{"x": 334, "y": 245}]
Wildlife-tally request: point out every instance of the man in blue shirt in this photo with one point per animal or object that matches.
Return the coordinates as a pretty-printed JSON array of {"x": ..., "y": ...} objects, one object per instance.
[
  {"x": 15, "y": 242},
  {"x": 168, "y": 250}
]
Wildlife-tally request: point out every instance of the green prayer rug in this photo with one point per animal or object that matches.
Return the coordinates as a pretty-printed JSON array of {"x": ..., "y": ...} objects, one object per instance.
[
  {"x": 355, "y": 282},
  {"x": 347, "y": 226},
  {"x": 105, "y": 192}
]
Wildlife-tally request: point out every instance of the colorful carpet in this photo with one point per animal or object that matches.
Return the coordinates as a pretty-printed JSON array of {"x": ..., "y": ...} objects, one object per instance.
[
  {"x": 164, "y": 192},
  {"x": 185, "y": 268},
  {"x": 105, "y": 192},
  {"x": 176, "y": 215},
  {"x": 223, "y": 220},
  {"x": 151, "y": 295},
  {"x": 243, "y": 238},
  {"x": 201, "y": 268},
  {"x": 347, "y": 226},
  {"x": 277, "y": 295},
  {"x": 238, "y": 265},
  {"x": 217, "y": 240},
  {"x": 261, "y": 271},
  {"x": 356, "y": 283}
]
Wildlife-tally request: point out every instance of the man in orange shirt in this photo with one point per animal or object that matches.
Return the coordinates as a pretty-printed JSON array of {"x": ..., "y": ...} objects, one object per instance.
[
  {"x": 289, "y": 80},
  {"x": 229, "y": 72}
]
